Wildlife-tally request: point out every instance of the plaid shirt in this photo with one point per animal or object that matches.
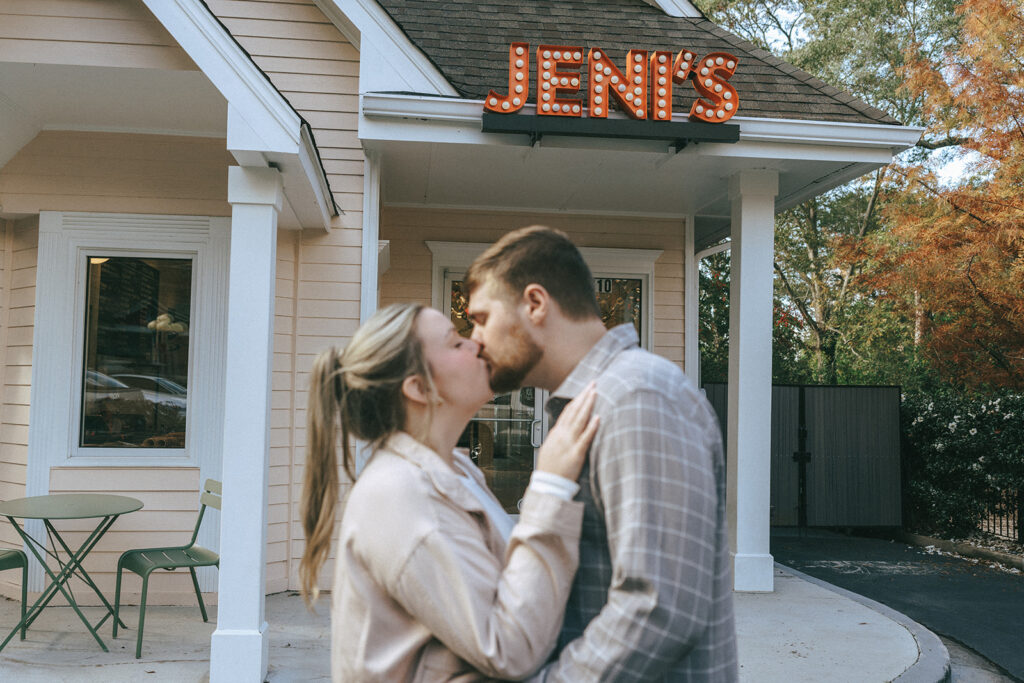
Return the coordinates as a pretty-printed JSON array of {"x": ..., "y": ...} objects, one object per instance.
[{"x": 652, "y": 600}]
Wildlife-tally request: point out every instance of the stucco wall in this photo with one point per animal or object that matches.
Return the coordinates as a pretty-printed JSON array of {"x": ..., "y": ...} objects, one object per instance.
[{"x": 408, "y": 279}]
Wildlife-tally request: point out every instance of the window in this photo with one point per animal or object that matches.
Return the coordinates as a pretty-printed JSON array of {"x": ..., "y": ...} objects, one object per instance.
[{"x": 136, "y": 356}]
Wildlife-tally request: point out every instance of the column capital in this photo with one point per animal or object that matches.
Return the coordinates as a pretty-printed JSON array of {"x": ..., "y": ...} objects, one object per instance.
[
  {"x": 754, "y": 181},
  {"x": 255, "y": 185}
]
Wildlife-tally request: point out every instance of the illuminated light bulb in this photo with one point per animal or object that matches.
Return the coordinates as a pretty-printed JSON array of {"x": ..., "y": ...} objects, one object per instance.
[
  {"x": 519, "y": 51},
  {"x": 598, "y": 99},
  {"x": 615, "y": 79},
  {"x": 661, "y": 114},
  {"x": 557, "y": 55},
  {"x": 688, "y": 56},
  {"x": 720, "y": 114},
  {"x": 547, "y": 65},
  {"x": 708, "y": 82},
  {"x": 565, "y": 81},
  {"x": 700, "y": 109},
  {"x": 704, "y": 71},
  {"x": 622, "y": 87},
  {"x": 638, "y": 79},
  {"x": 684, "y": 66},
  {"x": 661, "y": 92},
  {"x": 545, "y": 85},
  {"x": 710, "y": 62},
  {"x": 640, "y": 113},
  {"x": 546, "y": 96},
  {"x": 661, "y": 103},
  {"x": 519, "y": 76},
  {"x": 575, "y": 82},
  {"x": 519, "y": 88},
  {"x": 607, "y": 71},
  {"x": 718, "y": 87},
  {"x": 638, "y": 68},
  {"x": 727, "y": 95},
  {"x": 547, "y": 54},
  {"x": 597, "y": 111},
  {"x": 546, "y": 107},
  {"x": 728, "y": 106},
  {"x": 516, "y": 101},
  {"x": 576, "y": 109},
  {"x": 577, "y": 56},
  {"x": 505, "y": 105},
  {"x": 681, "y": 74},
  {"x": 661, "y": 59},
  {"x": 519, "y": 63},
  {"x": 556, "y": 107},
  {"x": 493, "y": 102},
  {"x": 598, "y": 78},
  {"x": 598, "y": 88},
  {"x": 637, "y": 90},
  {"x": 719, "y": 61},
  {"x": 629, "y": 96},
  {"x": 662, "y": 69},
  {"x": 597, "y": 55},
  {"x": 731, "y": 64},
  {"x": 662, "y": 81}
]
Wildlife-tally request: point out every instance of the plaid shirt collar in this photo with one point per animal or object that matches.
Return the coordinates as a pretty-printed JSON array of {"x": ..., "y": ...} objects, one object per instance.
[{"x": 618, "y": 339}]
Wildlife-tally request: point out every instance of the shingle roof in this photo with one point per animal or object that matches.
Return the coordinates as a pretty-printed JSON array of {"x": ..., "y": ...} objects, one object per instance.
[{"x": 468, "y": 41}]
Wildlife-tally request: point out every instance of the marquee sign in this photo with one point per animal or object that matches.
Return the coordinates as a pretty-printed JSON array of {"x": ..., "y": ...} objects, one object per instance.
[{"x": 642, "y": 89}]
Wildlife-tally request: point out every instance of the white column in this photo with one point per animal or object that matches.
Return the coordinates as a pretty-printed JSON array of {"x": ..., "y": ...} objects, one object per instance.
[
  {"x": 691, "y": 304},
  {"x": 369, "y": 277},
  {"x": 239, "y": 646},
  {"x": 752, "y": 194}
]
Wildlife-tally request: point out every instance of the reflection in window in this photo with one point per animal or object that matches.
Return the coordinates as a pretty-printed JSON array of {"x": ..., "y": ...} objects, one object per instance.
[
  {"x": 135, "y": 375},
  {"x": 619, "y": 300}
]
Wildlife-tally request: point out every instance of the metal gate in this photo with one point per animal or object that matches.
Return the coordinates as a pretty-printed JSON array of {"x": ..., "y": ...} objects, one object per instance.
[{"x": 835, "y": 454}]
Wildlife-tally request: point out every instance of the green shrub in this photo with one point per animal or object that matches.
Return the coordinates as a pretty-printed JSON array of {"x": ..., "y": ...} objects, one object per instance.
[{"x": 959, "y": 451}]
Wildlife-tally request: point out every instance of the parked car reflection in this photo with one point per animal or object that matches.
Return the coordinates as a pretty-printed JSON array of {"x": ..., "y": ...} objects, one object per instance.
[{"x": 118, "y": 413}]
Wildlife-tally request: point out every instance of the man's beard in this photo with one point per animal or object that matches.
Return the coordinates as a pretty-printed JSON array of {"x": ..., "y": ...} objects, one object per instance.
[{"x": 523, "y": 356}]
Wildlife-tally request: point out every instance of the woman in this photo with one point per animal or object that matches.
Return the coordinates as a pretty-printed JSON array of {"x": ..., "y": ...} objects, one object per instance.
[{"x": 432, "y": 582}]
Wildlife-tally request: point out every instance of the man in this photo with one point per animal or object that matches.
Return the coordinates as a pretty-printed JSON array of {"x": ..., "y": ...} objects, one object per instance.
[{"x": 652, "y": 600}]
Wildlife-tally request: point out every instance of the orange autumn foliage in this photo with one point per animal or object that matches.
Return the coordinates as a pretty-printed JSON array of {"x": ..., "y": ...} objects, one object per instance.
[{"x": 959, "y": 246}]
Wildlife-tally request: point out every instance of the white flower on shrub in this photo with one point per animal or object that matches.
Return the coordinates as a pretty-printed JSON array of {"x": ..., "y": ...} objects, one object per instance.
[
  {"x": 973, "y": 432},
  {"x": 952, "y": 427}
]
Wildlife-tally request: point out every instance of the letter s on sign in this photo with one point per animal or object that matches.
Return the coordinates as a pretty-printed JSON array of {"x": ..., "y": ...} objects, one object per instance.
[{"x": 718, "y": 101}]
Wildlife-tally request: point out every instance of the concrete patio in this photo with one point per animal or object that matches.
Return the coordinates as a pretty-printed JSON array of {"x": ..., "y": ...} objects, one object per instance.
[{"x": 804, "y": 631}]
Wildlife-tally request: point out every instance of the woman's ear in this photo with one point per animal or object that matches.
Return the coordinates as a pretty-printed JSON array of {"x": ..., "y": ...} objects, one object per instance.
[{"x": 413, "y": 389}]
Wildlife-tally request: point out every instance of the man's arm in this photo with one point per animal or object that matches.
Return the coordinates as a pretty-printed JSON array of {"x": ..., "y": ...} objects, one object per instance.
[{"x": 655, "y": 475}]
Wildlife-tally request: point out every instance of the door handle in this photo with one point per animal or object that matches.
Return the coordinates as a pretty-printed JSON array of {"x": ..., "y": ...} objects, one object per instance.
[{"x": 535, "y": 429}]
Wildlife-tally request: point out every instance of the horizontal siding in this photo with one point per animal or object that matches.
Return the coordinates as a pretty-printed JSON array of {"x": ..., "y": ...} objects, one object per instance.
[
  {"x": 87, "y": 33},
  {"x": 408, "y": 229},
  {"x": 170, "y": 498},
  {"x": 123, "y": 173}
]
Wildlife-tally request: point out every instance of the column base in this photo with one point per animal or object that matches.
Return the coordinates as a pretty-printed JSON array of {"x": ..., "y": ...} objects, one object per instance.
[
  {"x": 753, "y": 573},
  {"x": 239, "y": 655}
]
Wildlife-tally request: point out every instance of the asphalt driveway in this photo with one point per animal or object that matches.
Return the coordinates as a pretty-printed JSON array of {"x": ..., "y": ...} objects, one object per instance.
[{"x": 982, "y": 608}]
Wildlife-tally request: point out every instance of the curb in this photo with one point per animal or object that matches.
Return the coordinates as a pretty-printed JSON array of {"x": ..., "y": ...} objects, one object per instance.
[
  {"x": 932, "y": 665},
  {"x": 966, "y": 549}
]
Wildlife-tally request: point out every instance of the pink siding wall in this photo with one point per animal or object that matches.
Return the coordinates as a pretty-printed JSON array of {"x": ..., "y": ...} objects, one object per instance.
[
  {"x": 316, "y": 69},
  {"x": 408, "y": 229},
  {"x": 87, "y": 33}
]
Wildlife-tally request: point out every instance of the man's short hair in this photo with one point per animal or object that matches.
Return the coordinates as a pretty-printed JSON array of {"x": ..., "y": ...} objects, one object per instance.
[{"x": 543, "y": 256}]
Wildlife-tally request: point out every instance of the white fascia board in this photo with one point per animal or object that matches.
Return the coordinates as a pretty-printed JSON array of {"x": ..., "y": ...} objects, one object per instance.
[
  {"x": 388, "y": 60},
  {"x": 676, "y": 8},
  {"x": 272, "y": 125},
  {"x": 410, "y": 118}
]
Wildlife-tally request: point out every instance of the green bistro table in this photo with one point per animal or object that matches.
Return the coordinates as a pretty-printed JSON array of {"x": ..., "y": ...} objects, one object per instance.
[{"x": 104, "y": 507}]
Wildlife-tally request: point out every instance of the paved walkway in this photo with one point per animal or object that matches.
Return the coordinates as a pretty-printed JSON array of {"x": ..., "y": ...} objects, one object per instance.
[
  {"x": 802, "y": 632},
  {"x": 964, "y": 600}
]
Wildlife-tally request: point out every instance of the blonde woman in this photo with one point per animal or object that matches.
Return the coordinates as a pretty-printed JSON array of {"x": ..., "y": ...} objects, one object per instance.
[{"x": 432, "y": 582}]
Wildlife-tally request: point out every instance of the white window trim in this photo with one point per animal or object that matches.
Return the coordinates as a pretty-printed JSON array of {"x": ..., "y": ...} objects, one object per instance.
[
  {"x": 454, "y": 258},
  {"x": 65, "y": 239}
]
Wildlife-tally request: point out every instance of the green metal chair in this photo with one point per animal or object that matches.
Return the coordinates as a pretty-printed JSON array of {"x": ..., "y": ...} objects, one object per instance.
[
  {"x": 145, "y": 560},
  {"x": 12, "y": 559}
]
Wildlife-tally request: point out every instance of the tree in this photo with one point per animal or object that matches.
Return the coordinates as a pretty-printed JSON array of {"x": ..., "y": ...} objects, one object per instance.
[{"x": 959, "y": 247}]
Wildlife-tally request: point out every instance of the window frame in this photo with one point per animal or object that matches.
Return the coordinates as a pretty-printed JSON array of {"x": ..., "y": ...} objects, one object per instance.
[{"x": 66, "y": 241}]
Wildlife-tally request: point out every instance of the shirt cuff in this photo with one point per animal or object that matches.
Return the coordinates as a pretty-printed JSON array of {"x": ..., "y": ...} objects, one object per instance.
[{"x": 553, "y": 484}]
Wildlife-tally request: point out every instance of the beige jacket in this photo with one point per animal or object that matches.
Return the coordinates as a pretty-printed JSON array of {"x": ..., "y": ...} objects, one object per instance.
[{"x": 425, "y": 588}]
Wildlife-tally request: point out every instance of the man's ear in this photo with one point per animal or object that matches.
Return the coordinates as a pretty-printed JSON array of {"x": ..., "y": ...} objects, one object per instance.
[
  {"x": 537, "y": 302},
  {"x": 413, "y": 389}
]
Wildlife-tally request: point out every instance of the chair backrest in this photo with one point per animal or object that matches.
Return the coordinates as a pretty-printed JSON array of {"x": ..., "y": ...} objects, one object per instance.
[{"x": 210, "y": 497}]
